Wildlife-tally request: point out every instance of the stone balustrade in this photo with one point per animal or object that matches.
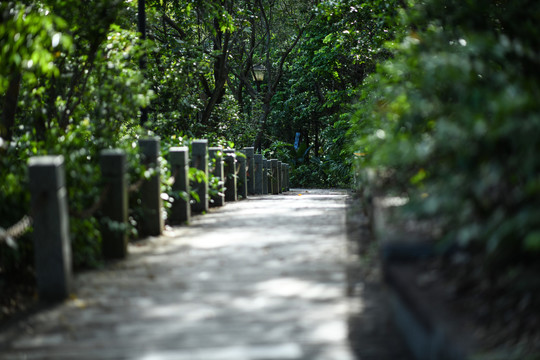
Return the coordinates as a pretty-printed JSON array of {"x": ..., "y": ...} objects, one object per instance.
[{"x": 239, "y": 175}]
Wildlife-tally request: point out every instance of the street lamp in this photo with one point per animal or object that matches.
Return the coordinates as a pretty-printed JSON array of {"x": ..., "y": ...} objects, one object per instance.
[{"x": 258, "y": 73}]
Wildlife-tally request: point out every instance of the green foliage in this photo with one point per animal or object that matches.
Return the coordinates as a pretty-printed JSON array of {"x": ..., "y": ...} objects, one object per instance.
[
  {"x": 196, "y": 178},
  {"x": 31, "y": 39},
  {"x": 14, "y": 200},
  {"x": 78, "y": 93},
  {"x": 74, "y": 76},
  {"x": 340, "y": 48},
  {"x": 185, "y": 68},
  {"x": 216, "y": 187},
  {"x": 336, "y": 160},
  {"x": 305, "y": 176},
  {"x": 453, "y": 122}
]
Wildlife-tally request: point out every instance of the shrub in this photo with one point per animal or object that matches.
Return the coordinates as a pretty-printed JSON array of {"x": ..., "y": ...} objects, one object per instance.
[{"x": 454, "y": 119}]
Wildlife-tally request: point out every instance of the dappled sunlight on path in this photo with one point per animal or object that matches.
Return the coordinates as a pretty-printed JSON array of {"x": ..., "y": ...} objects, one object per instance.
[{"x": 262, "y": 278}]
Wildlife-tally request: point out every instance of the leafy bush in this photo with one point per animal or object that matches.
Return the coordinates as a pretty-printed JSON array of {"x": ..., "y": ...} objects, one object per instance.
[
  {"x": 330, "y": 168},
  {"x": 71, "y": 86},
  {"x": 305, "y": 176},
  {"x": 453, "y": 121}
]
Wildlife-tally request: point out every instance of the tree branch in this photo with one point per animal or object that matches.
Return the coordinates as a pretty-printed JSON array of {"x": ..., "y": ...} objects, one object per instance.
[
  {"x": 173, "y": 25},
  {"x": 286, "y": 54}
]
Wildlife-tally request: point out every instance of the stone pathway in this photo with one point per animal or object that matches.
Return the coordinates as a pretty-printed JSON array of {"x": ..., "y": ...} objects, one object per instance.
[{"x": 260, "y": 279}]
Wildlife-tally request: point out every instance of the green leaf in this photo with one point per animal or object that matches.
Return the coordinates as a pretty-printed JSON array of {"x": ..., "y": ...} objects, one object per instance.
[{"x": 532, "y": 242}]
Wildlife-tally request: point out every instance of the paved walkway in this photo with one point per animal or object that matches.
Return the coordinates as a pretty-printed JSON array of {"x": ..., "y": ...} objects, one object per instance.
[{"x": 260, "y": 279}]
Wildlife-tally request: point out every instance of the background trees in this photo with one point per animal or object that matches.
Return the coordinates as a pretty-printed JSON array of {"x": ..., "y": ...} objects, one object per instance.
[
  {"x": 70, "y": 85},
  {"x": 341, "y": 46},
  {"x": 74, "y": 77},
  {"x": 204, "y": 58}
]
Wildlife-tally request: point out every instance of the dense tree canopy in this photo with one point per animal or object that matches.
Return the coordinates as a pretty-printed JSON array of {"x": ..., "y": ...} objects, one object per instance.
[{"x": 76, "y": 77}]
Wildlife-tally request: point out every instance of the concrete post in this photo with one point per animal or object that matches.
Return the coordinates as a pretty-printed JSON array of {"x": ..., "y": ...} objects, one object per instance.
[
  {"x": 287, "y": 177},
  {"x": 265, "y": 177},
  {"x": 216, "y": 153},
  {"x": 152, "y": 219},
  {"x": 283, "y": 176},
  {"x": 270, "y": 182},
  {"x": 52, "y": 247},
  {"x": 179, "y": 162},
  {"x": 280, "y": 177},
  {"x": 115, "y": 206},
  {"x": 274, "y": 172},
  {"x": 250, "y": 167},
  {"x": 242, "y": 177},
  {"x": 230, "y": 175},
  {"x": 258, "y": 174},
  {"x": 199, "y": 160}
]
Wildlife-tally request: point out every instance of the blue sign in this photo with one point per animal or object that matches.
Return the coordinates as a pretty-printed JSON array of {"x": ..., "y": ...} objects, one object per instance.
[{"x": 297, "y": 141}]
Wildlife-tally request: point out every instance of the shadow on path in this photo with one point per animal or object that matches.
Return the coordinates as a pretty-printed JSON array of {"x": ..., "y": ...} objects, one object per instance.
[
  {"x": 371, "y": 331},
  {"x": 260, "y": 279}
]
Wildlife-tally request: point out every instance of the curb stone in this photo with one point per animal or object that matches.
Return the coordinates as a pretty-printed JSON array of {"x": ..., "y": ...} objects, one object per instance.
[{"x": 420, "y": 314}]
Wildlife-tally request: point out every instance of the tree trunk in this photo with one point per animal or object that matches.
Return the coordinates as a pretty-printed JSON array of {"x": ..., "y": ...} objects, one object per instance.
[
  {"x": 221, "y": 73},
  {"x": 316, "y": 134}
]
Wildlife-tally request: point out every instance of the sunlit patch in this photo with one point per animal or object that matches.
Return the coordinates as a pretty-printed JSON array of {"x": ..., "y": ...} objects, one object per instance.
[
  {"x": 288, "y": 287},
  {"x": 254, "y": 303},
  {"x": 241, "y": 352},
  {"x": 394, "y": 201},
  {"x": 329, "y": 331},
  {"x": 74, "y": 301},
  {"x": 190, "y": 314}
]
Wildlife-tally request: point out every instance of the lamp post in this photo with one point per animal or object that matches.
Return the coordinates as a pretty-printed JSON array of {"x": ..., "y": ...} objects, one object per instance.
[{"x": 258, "y": 75}]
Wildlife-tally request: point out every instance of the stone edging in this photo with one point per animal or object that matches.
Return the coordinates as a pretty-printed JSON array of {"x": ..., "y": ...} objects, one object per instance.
[{"x": 422, "y": 317}]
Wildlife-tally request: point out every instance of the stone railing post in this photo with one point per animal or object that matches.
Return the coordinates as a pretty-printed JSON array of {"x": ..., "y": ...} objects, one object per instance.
[
  {"x": 52, "y": 247},
  {"x": 274, "y": 172},
  {"x": 242, "y": 177},
  {"x": 250, "y": 169},
  {"x": 216, "y": 156},
  {"x": 115, "y": 206},
  {"x": 265, "y": 177},
  {"x": 283, "y": 170},
  {"x": 152, "y": 219},
  {"x": 280, "y": 177},
  {"x": 179, "y": 162},
  {"x": 287, "y": 177},
  {"x": 230, "y": 175},
  {"x": 199, "y": 160},
  {"x": 258, "y": 174}
]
